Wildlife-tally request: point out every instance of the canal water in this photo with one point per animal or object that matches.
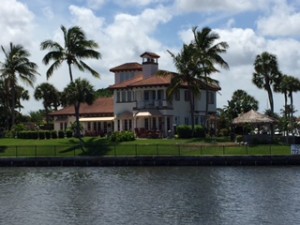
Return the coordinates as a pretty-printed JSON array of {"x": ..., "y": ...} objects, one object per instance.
[{"x": 150, "y": 195}]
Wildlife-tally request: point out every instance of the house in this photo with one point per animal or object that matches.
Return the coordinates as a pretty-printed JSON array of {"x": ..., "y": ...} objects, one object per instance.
[
  {"x": 140, "y": 103},
  {"x": 96, "y": 119}
]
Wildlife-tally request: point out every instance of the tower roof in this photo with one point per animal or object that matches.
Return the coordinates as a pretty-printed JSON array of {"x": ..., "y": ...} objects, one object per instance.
[{"x": 150, "y": 54}]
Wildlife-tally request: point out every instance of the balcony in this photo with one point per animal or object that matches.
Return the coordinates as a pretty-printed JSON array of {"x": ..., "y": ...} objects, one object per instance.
[{"x": 157, "y": 104}]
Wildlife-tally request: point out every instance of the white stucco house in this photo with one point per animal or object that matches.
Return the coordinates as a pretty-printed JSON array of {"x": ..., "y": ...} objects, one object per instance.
[{"x": 140, "y": 103}]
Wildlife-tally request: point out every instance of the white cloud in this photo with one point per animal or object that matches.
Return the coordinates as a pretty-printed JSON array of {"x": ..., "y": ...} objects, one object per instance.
[
  {"x": 15, "y": 22},
  {"x": 140, "y": 2},
  {"x": 220, "y": 5},
  {"x": 284, "y": 20},
  {"x": 96, "y": 4}
]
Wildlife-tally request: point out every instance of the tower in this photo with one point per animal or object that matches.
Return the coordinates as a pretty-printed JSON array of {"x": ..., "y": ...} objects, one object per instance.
[{"x": 149, "y": 64}]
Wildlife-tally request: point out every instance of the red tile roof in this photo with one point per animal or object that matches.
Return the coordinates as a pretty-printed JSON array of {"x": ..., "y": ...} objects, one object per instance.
[
  {"x": 127, "y": 66},
  {"x": 156, "y": 80},
  {"x": 152, "y": 54},
  {"x": 126, "y": 83},
  {"x": 100, "y": 106}
]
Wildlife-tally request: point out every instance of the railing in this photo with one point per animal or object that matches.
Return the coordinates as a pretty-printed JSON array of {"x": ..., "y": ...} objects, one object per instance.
[
  {"x": 134, "y": 150},
  {"x": 152, "y": 104}
]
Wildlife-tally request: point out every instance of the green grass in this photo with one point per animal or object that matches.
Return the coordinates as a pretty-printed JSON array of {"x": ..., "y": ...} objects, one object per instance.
[{"x": 69, "y": 147}]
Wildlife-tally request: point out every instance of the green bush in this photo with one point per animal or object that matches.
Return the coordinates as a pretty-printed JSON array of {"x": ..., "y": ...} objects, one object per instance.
[
  {"x": 42, "y": 134},
  {"x": 224, "y": 132},
  {"x": 53, "y": 134},
  {"x": 239, "y": 138},
  {"x": 47, "y": 134},
  {"x": 199, "y": 131},
  {"x": 122, "y": 136},
  {"x": 61, "y": 134},
  {"x": 184, "y": 131},
  {"x": 69, "y": 133}
]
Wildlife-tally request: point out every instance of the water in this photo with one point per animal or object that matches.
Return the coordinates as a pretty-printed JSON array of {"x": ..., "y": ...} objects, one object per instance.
[{"x": 156, "y": 195}]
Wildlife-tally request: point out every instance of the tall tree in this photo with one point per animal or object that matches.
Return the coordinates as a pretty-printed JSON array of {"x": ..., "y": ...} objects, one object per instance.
[
  {"x": 16, "y": 66},
  {"x": 267, "y": 75},
  {"x": 240, "y": 102},
  {"x": 187, "y": 75},
  {"x": 208, "y": 54},
  {"x": 78, "y": 92},
  {"x": 76, "y": 47},
  {"x": 50, "y": 96}
]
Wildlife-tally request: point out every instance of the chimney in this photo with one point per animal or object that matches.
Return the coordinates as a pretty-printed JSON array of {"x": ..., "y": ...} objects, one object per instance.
[{"x": 149, "y": 64}]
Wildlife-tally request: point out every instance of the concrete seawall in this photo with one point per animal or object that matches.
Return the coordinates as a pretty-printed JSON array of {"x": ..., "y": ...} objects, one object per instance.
[{"x": 152, "y": 161}]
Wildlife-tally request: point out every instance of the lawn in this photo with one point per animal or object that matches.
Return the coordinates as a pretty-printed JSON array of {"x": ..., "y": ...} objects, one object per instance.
[{"x": 69, "y": 147}]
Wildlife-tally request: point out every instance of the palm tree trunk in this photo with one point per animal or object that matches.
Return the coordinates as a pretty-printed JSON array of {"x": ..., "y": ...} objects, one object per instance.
[
  {"x": 70, "y": 72},
  {"x": 271, "y": 100},
  {"x": 13, "y": 105},
  {"x": 285, "y": 112},
  {"x": 192, "y": 108},
  {"x": 77, "y": 130},
  {"x": 272, "y": 110},
  {"x": 292, "y": 112}
]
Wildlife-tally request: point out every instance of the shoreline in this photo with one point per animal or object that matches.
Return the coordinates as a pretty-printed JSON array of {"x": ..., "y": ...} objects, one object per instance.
[{"x": 293, "y": 160}]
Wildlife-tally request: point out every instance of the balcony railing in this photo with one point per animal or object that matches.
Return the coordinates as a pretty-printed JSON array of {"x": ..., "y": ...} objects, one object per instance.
[{"x": 153, "y": 104}]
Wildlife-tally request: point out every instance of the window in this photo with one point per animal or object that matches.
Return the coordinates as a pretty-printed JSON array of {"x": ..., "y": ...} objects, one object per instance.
[
  {"x": 160, "y": 94},
  {"x": 168, "y": 123},
  {"x": 186, "y": 95},
  {"x": 146, "y": 123},
  {"x": 153, "y": 95},
  {"x": 118, "y": 96},
  {"x": 123, "y": 96},
  {"x": 118, "y": 125},
  {"x": 146, "y": 95},
  {"x": 196, "y": 120},
  {"x": 202, "y": 119},
  {"x": 130, "y": 124},
  {"x": 129, "y": 96},
  {"x": 125, "y": 125},
  {"x": 211, "y": 98},
  {"x": 89, "y": 125},
  {"x": 177, "y": 95},
  {"x": 186, "y": 120},
  {"x": 154, "y": 123},
  {"x": 61, "y": 126}
]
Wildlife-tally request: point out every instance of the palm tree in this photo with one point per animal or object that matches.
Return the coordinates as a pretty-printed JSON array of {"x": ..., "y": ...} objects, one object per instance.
[
  {"x": 294, "y": 86},
  {"x": 76, "y": 47},
  {"x": 267, "y": 74},
  {"x": 186, "y": 65},
  {"x": 50, "y": 96},
  {"x": 16, "y": 66},
  {"x": 78, "y": 92},
  {"x": 207, "y": 54}
]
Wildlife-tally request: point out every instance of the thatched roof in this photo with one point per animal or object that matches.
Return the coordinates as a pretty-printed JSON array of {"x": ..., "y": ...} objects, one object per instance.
[{"x": 253, "y": 117}]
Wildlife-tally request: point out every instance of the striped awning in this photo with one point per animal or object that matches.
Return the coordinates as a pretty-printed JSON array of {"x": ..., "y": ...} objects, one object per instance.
[{"x": 96, "y": 119}]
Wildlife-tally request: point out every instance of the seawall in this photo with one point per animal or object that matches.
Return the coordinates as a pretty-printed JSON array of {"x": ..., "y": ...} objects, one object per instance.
[{"x": 153, "y": 161}]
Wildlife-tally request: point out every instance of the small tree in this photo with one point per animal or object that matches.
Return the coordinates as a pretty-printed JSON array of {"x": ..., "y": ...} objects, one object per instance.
[{"x": 78, "y": 92}]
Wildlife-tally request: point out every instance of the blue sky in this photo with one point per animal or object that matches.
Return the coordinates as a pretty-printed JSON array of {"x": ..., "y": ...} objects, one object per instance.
[{"x": 125, "y": 29}]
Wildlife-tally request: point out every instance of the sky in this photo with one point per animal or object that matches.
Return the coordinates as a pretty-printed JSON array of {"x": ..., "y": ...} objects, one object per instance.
[{"x": 126, "y": 29}]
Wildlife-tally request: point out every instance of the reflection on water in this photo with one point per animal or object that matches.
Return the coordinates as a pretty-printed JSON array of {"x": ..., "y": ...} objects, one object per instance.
[{"x": 150, "y": 195}]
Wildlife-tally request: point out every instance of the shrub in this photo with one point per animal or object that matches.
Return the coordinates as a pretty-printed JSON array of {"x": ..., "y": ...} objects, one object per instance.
[
  {"x": 199, "y": 131},
  {"x": 47, "y": 134},
  {"x": 224, "y": 132},
  {"x": 42, "y": 134},
  {"x": 122, "y": 136},
  {"x": 239, "y": 138},
  {"x": 53, "y": 134},
  {"x": 61, "y": 134},
  {"x": 184, "y": 131},
  {"x": 69, "y": 133}
]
